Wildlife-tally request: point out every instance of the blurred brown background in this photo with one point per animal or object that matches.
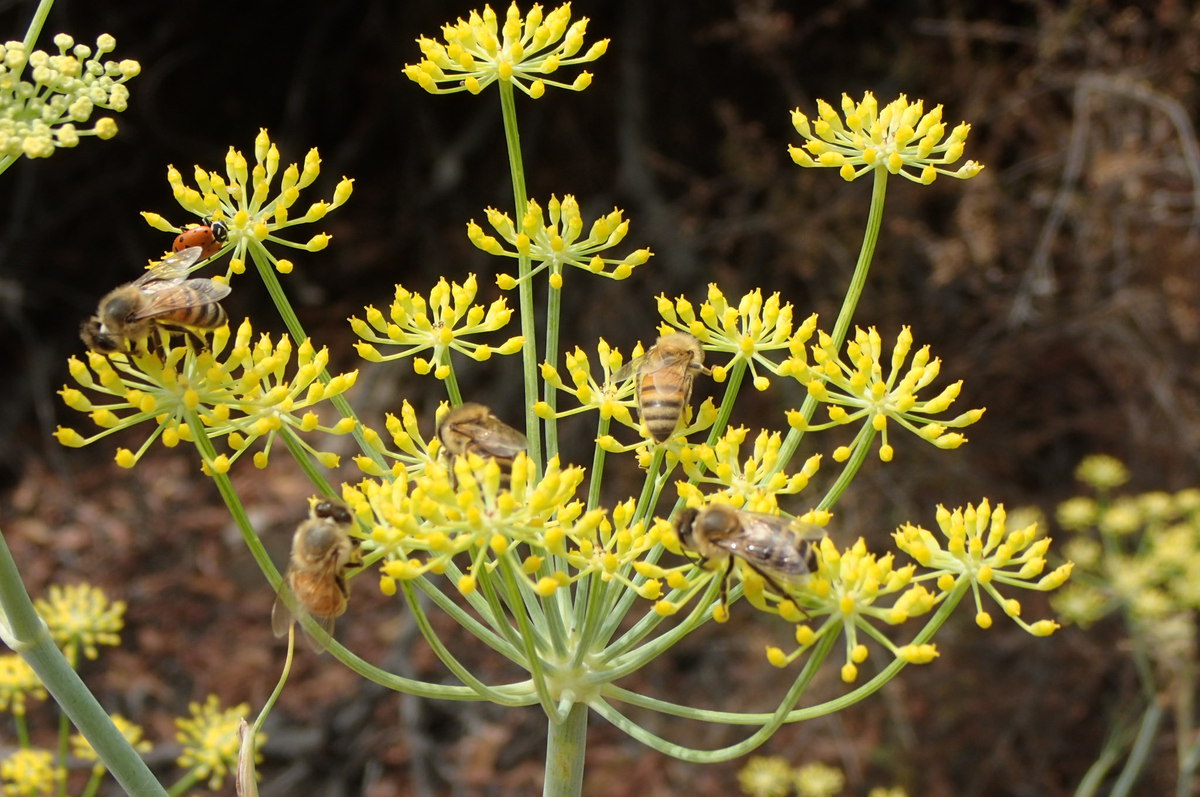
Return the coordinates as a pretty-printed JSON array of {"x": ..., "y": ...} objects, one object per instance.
[{"x": 1060, "y": 284}]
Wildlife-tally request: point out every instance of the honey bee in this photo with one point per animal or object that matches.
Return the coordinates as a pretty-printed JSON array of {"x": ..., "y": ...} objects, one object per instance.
[
  {"x": 322, "y": 550},
  {"x": 664, "y": 381},
  {"x": 781, "y": 550},
  {"x": 161, "y": 298},
  {"x": 472, "y": 429}
]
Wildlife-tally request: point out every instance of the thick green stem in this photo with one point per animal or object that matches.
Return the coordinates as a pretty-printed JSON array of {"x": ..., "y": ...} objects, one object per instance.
[
  {"x": 27, "y": 635},
  {"x": 566, "y": 744},
  {"x": 1143, "y": 745},
  {"x": 529, "y": 355},
  {"x": 36, "y": 24}
]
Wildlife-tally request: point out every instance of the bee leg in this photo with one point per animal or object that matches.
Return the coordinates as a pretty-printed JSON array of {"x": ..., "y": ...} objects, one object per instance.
[
  {"x": 194, "y": 338},
  {"x": 725, "y": 583}
]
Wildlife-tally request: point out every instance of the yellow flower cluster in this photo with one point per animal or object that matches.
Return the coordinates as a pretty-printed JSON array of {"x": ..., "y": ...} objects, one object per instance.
[
  {"x": 981, "y": 552},
  {"x": 18, "y": 683},
  {"x": 412, "y": 452},
  {"x": 209, "y": 736},
  {"x": 847, "y": 589},
  {"x": 254, "y": 210},
  {"x": 901, "y": 138},
  {"x": 470, "y": 506},
  {"x": 42, "y": 109},
  {"x": 477, "y": 53},
  {"x": 244, "y": 392},
  {"x": 1138, "y": 554},
  {"x": 751, "y": 483},
  {"x": 857, "y": 389},
  {"x": 610, "y": 398},
  {"x": 80, "y": 618},
  {"x": 438, "y": 325},
  {"x": 29, "y": 773},
  {"x": 558, "y": 243},
  {"x": 747, "y": 331}
]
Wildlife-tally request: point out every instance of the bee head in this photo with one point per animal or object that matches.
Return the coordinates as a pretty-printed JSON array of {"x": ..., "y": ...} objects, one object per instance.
[
  {"x": 330, "y": 509},
  {"x": 98, "y": 339},
  {"x": 685, "y": 527}
]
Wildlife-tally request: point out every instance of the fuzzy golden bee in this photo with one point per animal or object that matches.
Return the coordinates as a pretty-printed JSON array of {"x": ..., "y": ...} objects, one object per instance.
[
  {"x": 472, "y": 429},
  {"x": 322, "y": 550},
  {"x": 664, "y": 381},
  {"x": 782, "y": 550},
  {"x": 160, "y": 298}
]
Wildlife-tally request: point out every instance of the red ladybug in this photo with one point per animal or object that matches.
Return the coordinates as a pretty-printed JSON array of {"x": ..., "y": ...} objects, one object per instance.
[{"x": 209, "y": 237}]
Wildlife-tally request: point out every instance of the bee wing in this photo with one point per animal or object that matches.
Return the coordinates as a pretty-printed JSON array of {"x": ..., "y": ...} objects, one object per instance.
[
  {"x": 776, "y": 544},
  {"x": 667, "y": 373},
  {"x": 281, "y": 616},
  {"x": 167, "y": 296},
  {"x": 503, "y": 442},
  {"x": 171, "y": 269},
  {"x": 283, "y": 619},
  {"x": 627, "y": 370}
]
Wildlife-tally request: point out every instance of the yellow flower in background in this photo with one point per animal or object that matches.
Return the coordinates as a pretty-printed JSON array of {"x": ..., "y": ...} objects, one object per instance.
[
  {"x": 901, "y": 138},
  {"x": 80, "y": 618},
  {"x": 209, "y": 736},
  {"x": 46, "y": 99},
  {"x": 765, "y": 776},
  {"x": 819, "y": 780},
  {"x": 29, "y": 773},
  {"x": 1102, "y": 472},
  {"x": 18, "y": 683},
  {"x": 477, "y": 52},
  {"x": 255, "y": 210}
]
